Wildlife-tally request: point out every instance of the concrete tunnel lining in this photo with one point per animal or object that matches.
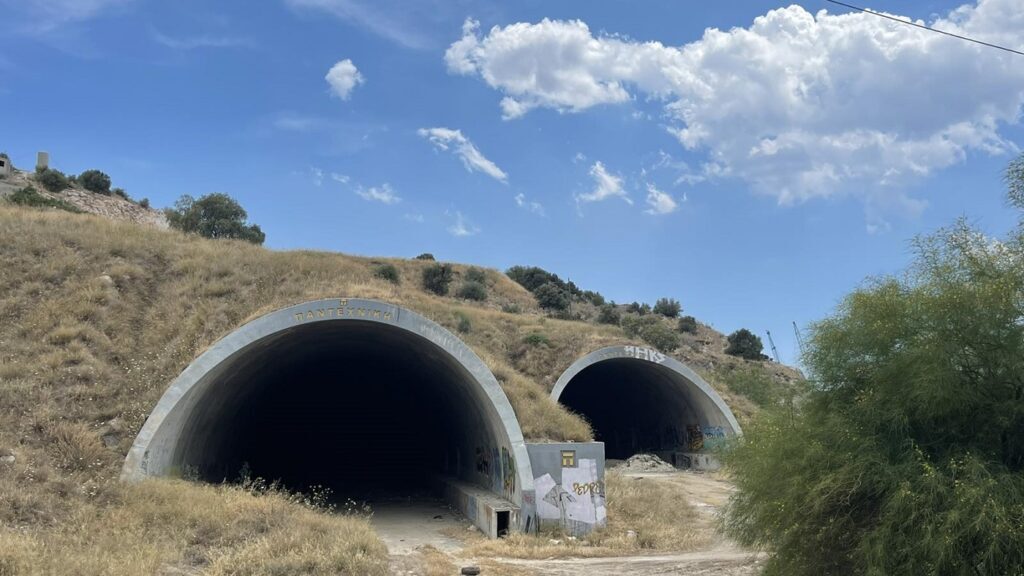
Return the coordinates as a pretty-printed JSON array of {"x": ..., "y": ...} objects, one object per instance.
[
  {"x": 638, "y": 399},
  {"x": 199, "y": 414}
]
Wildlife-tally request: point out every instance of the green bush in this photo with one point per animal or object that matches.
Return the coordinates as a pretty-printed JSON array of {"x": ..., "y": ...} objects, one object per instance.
[
  {"x": 550, "y": 297},
  {"x": 511, "y": 308},
  {"x": 609, "y": 314},
  {"x": 144, "y": 202},
  {"x": 687, "y": 325},
  {"x": 425, "y": 256},
  {"x": 638, "y": 308},
  {"x": 389, "y": 272},
  {"x": 667, "y": 307},
  {"x": 471, "y": 290},
  {"x": 215, "y": 215},
  {"x": 121, "y": 193},
  {"x": 475, "y": 274},
  {"x": 28, "y": 196},
  {"x": 745, "y": 344},
  {"x": 907, "y": 456},
  {"x": 756, "y": 384},
  {"x": 465, "y": 325},
  {"x": 594, "y": 298},
  {"x": 52, "y": 180},
  {"x": 95, "y": 181},
  {"x": 536, "y": 339},
  {"x": 660, "y": 336},
  {"x": 437, "y": 278}
]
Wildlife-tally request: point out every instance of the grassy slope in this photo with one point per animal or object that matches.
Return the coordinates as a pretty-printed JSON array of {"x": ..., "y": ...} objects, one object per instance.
[{"x": 97, "y": 317}]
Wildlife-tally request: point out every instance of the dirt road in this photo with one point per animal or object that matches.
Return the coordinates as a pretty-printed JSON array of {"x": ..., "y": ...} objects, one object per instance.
[{"x": 707, "y": 493}]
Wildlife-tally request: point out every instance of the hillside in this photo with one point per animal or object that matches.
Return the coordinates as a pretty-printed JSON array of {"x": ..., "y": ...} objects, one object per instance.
[{"x": 98, "y": 316}]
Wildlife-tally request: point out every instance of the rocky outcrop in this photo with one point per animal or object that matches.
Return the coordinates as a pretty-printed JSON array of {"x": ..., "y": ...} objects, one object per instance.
[{"x": 109, "y": 206}]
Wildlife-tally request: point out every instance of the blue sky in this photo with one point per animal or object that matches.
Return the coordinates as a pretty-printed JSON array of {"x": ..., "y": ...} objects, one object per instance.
[{"x": 755, "y": 160}]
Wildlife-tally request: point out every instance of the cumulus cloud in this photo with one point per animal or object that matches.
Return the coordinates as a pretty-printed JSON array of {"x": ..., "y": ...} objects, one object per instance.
[
  {"x": 659, "y": 202},
  {"x": 462, "y": 226},
  {"x": 799, "y": 105},
  {"x": 606, "y": 185},
  {"x": 472, "y": 158},
  {"x": 343, "y": 78},
  {"x": 383, "y": 194}
]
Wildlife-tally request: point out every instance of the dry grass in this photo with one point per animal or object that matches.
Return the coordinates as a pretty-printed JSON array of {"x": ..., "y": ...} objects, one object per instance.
[
  {"x": 643, "y": 515},
  {"x": 168, "y": 527},
  {"x": 98, "y": 317}
]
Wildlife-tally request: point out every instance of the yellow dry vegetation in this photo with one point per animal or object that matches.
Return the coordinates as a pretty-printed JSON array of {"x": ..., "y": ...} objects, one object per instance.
[
  {"x": 175, "y": 527},
  {"x": 97, "y": 317}
]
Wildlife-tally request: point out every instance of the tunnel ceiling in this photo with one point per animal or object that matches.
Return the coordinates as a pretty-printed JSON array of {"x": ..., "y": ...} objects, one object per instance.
[
  {"x": 639, "y": 400},
  {"x": 356, "y": 395}
]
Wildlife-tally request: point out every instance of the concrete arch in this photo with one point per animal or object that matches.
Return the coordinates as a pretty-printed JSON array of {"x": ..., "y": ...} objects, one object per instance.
[
  {"x": 638, "y": 399},
  {"x": 222, "y": 401}
]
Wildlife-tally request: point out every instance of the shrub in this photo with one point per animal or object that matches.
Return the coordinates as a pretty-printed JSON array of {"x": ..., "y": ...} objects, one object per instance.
[
  {"x": 144, "y": 202},
  {"x": 52, "y": 180},
  {"x": 687, "y": 325},
  {"x": 660, "y": 336},
  {"x": 387, "y": 272},
  {"x": 426, "y": 256},
  {"x": 215, "y": 215},
  {"x": 122, "y": 193},
  {"x": 632, "y": 324},
  {"x": 609, "y": 314},
  {"x": 551, "y": 297},
  {"x": 28, "y": 196},
  {"x": 745, "y": 344},
  {"x": 464, "y": 323},
  {"x": 532, "y": 277},
  {"x": 907, "y": 456},
  {"x": 667, "y": 307},
  {"x": 437, "y": 278},
  {"x": 511, "y": 308},
  {"x": 594, "y": 298},
  {"x": 471, "y": 290},
  {"x": 638, "y": 308},
  {"x": 536, "y": 339},
  {"x": 95, "y": 181},
  {"x": 475, "y": 274}
]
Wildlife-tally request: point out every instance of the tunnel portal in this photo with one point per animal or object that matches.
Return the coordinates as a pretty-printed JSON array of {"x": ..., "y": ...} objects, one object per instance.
[
  {"x": 367, "y": 399},
  {"x": 639, "y": 400}
]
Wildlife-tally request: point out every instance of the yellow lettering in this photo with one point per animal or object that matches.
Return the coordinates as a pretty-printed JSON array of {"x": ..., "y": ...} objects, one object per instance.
[
  {"x": 387, "y": 315},
  {"x": 298, "y": 317},
  {"x": 309, "y": 315},
  {"x": 376, "y": 313},
  {"x": 321, "y": 313},
  {"x": 343, "y": 302}
]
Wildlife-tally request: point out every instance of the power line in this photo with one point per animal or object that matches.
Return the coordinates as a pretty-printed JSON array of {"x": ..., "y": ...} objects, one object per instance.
[{"x": 922, "y": 26}]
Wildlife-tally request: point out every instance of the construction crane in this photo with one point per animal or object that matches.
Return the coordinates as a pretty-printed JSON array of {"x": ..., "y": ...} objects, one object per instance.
[
  {"x": 775, "y": 351},
  {"x": 799, "y": 338}
]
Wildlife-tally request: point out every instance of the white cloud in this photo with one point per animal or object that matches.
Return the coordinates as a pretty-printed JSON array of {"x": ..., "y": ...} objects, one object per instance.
[
  {"x": 472, "y": 158},
  {"x": 383, "y": 194},
  {"x": 340, "y": 178},
  {"x": 343, "y": 78},
  {"x": 535, "y": 207},
  {"x": 417, "y": 218},
  {"x": 799, "y": 105},
  {"x": 659, "y": 202},
  {"x": 43, "y": 16},
  {"x": 317, "y": 175},
  {"x": 396, "y": 21},
  {"x": 462, "y": 226},
  {"x": 197, "y": 42},
  {"x": 606, "y": 185}
]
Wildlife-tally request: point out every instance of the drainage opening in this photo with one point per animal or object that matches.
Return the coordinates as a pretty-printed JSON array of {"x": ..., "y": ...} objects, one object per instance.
[{"x": 502, "y": 522}]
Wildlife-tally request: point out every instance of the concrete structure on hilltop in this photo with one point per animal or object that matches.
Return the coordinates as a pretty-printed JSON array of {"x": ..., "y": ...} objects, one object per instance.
[{"x": 6, "y": 168}]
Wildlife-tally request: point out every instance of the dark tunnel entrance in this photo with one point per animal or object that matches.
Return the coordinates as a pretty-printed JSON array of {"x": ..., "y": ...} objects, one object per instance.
[
  {"x": 359, "y": 408},
  {"x": 367, "y": 399},
  {"x": 645, "y": 403}
]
